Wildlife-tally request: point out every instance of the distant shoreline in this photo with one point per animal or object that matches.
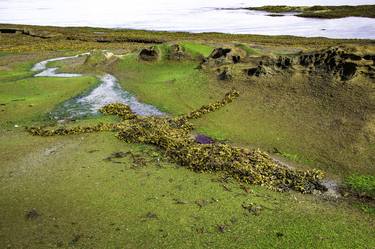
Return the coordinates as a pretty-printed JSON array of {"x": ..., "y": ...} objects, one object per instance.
[
  {"x": 107, "y": 36},
  {"x": 318, "y": 11}
]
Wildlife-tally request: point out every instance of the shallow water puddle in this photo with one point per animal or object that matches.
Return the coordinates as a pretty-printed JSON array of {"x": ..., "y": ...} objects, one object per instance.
[
  {"x": 51, "y": 72},
  {"x": 108, "y": 91}
]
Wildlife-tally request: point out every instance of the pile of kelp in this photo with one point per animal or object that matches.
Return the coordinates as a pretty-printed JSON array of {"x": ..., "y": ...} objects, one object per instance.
[{"x": 174, "y": 137}]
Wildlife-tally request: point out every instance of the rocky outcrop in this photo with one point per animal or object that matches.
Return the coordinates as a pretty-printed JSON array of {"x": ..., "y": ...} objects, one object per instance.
[
  {"x": 202, "y": 139},
  {"x": 219, "y": 53},
  {"x": 236, "y": 59},
  {"x": 341, "y": 63},
  {"x": 176, "y": 52},
  {"x": 224, "y": 74},
  {"x": 149, "y": 54},
  {"x": 256, "y": 71},
  {"x": 284, "y": 62},
  {"x": 29, "y": 32},
  {"x": 223, "y": 56},
  {"x": 336, "y": 62}
]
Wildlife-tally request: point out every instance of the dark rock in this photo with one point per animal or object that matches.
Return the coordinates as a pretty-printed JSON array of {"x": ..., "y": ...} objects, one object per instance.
[
  {"x": 279, "y": 234},
  {"x": 117, "y": 155},
  {"x": 236, "y": 59},
  {"x": 149, "y": 54},
  {"x": 369, "y": 57},
  {"x": 348, "y": 70},
  {"x": 32, "y": 214},
  {"x": 224, "y": 75},
  {"x": 352, "y": 57},
  {"x": 202, "y": 139},
  {"x": 333, "y": 61},
  {"x": 221, "y": 228},
  {"x": 202, "y": 203},
  {"x": 76, "y": 238},
  {"x": 284, "y": 62},
  {"x": 151, "y": 215},
  {"x": 8, "y": 31},
  {"x": 59, "y": 243},
  {"x": 220, "y": 52},
  {"x": 256, "y": 71},
  {"x": 179, "y": 201},
  {"x": 252, "y": 208},
  {"x": 176, "y": 52}
]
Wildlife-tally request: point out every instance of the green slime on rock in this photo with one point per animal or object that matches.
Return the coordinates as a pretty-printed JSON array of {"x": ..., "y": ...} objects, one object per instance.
[{"x": 174, "y": 137}]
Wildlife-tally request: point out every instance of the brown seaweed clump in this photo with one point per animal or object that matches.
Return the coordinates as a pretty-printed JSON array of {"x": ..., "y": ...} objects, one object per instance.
[{"x": 174, "y": 137}]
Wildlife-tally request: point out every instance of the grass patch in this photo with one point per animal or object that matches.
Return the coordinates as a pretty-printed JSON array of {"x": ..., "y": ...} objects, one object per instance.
[
  {"x": 196, "y": 49},
  {"x": 249, "y": 51},
  {"x": 361, "y": 184},
  {"x": 295, "y": 157},
  {"x": 29, "y": 100},
  {"x": 16, "y": 72},
  {"x": 176, "y": 87}
]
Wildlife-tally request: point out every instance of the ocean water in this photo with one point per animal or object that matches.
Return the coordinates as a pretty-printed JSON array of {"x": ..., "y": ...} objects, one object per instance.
[{"x": 191, "y": 16}]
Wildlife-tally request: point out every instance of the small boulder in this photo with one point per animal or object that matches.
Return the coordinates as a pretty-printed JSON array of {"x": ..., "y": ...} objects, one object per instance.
[
  {"x": 149, "y": 54},
  {"x": 348, "y": 70},
  {"x": 202, "y": 139},
  {"x": 256, "y": 71},
  {"x": 284, "y": 62},
  {"x": 224, "y": 75},
  {"x": 236, "y": 59},
  {"x": 220, "y": 52},
  {"x": 176, "y": 52},
  {"x": 32, "y": 214}
]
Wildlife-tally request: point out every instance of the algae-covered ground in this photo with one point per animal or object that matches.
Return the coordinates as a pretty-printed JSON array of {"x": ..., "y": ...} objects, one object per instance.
[
  {"x": 95, "y": 191},
  {"x": 329, "y": 12}
]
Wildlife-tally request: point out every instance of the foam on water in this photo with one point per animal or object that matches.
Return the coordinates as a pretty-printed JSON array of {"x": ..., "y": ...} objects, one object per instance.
[{"x": 108, "y": 91}]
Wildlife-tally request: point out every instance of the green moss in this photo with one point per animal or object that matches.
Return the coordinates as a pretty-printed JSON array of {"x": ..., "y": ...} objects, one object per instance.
[
  {"x": 30, "y": 99},
  {"x": 366, "y": 208},
  {"x": 16, "y": 72},
  {"x": 172, "y": 83},
  {"x": 249, "y": 51},
  {"x": 361, "y": 184},
  {"x": 295, "y": 158},
  {"x": 70, "y": 185},
  {"x": 196, "y": 49}
]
